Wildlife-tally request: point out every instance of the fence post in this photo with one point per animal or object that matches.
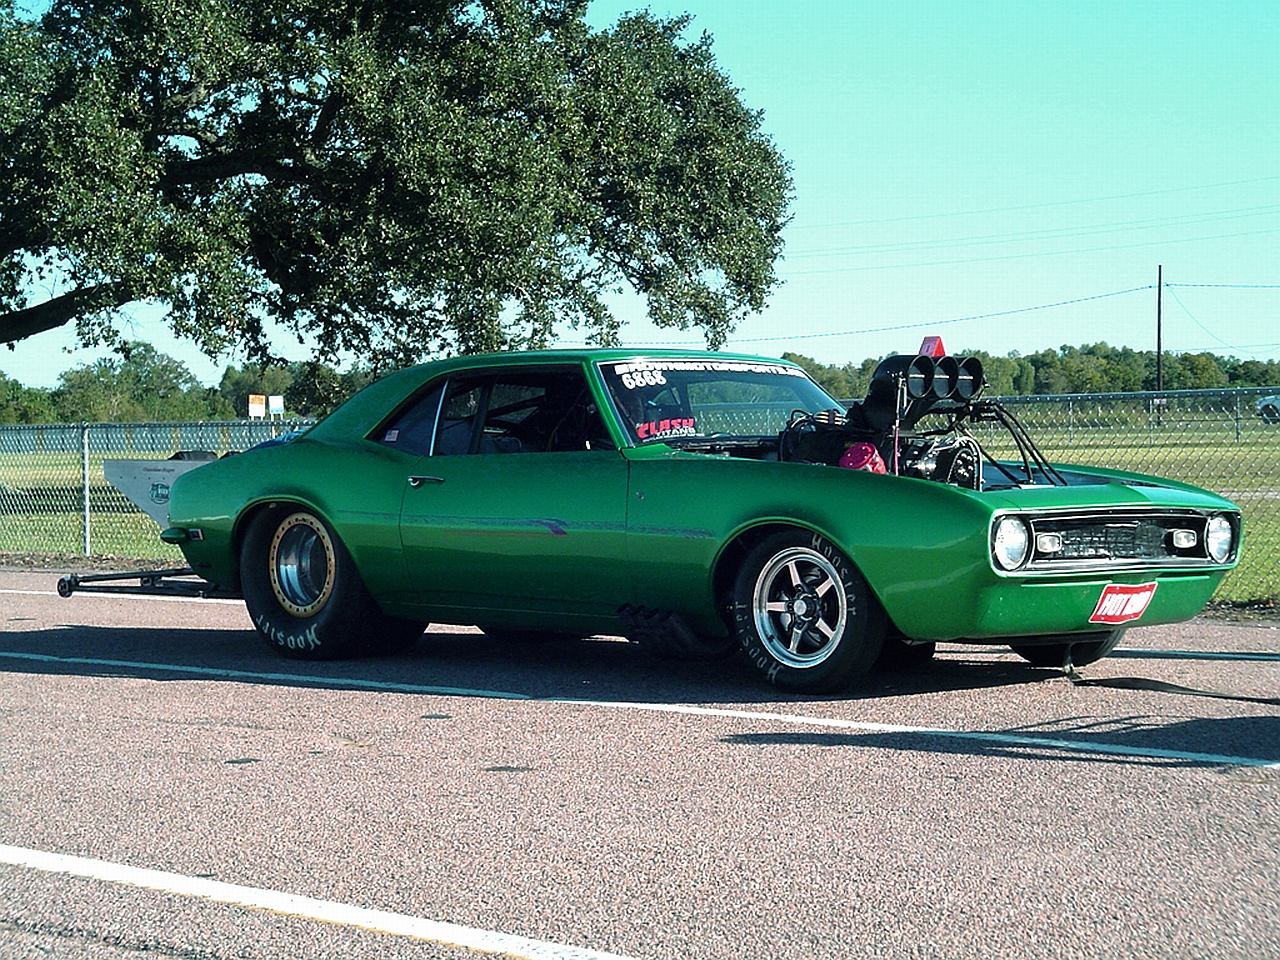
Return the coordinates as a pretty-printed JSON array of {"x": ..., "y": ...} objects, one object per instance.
[{"x": 84, "y": 481}]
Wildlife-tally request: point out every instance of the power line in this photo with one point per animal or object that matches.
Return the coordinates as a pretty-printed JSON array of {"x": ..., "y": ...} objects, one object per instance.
[
  {"x": 1055, "y": 233},
  {"x": 1230, "y": 286},
  {"x": 1035, "y": 206},
  {"x": 908, "y": 326},
  {"x": 1178, "y": 301},
  {"x": 1024, "y": 256},
  {"x": 939, "y": 323},
  {"x": 988, "y": 316}
]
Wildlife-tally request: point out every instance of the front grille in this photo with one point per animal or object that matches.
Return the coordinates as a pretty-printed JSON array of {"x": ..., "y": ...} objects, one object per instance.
[{"x": 1118, "y": 539}]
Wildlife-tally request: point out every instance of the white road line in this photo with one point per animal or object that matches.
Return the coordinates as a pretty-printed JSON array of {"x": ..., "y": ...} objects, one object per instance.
[
  {"x": 327, "y": 911},
  {"x": 225, "y": 674},
  {"x": 1131, "y": 653},
  {"x": 1137, "y": 653},
  {"x": 861, "y": 726}
]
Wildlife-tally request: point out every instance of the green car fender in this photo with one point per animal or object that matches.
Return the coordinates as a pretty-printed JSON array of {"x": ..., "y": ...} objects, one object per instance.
[
  {"x": 691, "y": 518},
  {"x": 342, "y": 484}
]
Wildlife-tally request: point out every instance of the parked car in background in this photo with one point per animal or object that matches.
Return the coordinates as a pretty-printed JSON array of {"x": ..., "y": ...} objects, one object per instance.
[
  {"x": 701, "y": 504},
  {"x": 1268, "y": 408}
]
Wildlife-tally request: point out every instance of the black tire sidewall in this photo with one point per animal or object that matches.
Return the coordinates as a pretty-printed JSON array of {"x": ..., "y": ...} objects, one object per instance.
[
  {"x": 335, "y": 631},
  {"x": 859, "y": 645}
]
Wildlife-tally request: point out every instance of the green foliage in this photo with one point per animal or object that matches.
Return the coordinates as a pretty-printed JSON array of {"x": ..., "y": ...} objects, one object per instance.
[
  {"x": 847, "y": 382},
  {"x": 390, "y": 180},
  {"x": 318, "y": 389},
  {"x": 310, "y": 388},
  {"x": 265, "y": 379},
  {"x": 142, "y": 384},
  {"x": 19, "y": 404}
]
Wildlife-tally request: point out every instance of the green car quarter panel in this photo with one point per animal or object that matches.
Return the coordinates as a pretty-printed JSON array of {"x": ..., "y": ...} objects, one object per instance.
[{"x": 695, "y": 496}]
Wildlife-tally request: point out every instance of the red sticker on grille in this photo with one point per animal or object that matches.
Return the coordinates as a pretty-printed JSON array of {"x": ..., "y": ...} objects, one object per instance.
[{"x": 1121, "y": 602}]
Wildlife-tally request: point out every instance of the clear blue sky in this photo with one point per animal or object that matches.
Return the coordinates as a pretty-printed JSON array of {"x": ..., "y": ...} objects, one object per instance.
[{"x": 957, "y": 163}]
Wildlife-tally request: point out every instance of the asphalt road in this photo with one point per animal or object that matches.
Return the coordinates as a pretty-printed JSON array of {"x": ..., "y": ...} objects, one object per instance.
[{"x": 578, "y": 799}]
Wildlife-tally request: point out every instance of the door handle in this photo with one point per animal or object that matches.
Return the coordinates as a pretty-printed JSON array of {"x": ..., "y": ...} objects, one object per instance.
[{"x": 416, "y": 482}]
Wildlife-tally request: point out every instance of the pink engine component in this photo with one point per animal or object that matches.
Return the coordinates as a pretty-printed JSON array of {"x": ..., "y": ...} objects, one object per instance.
[{"x": 863, "y": 456}]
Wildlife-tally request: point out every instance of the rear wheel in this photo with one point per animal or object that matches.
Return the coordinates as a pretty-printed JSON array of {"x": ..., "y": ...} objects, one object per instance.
[
  {"x": 804, "y": 615},
  {"x": 1055, "y": 654},
  {"x": 305, "y": 595}
]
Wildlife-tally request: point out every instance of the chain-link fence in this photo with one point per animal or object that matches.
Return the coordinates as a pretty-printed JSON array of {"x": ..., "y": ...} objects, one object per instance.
[
  {"x": 1222, "y": 440},
  {"x": 54, "y": 497}
]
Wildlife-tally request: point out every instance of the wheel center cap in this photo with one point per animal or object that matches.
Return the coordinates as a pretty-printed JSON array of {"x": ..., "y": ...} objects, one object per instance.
[{"x": 800, "y": 607}]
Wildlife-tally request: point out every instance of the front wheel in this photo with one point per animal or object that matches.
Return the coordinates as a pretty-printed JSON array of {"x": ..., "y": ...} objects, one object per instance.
[
  {"x": 302, "y": 588},
  {"x": 1055, "y": 654},
  {"x": 804, "y": 615}
]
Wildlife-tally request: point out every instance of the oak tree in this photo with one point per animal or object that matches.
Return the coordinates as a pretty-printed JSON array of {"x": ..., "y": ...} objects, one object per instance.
[{"x": 387, "y": 179}]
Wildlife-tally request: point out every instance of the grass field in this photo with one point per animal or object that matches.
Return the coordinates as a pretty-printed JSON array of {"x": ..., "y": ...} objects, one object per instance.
[{"x": 41, "y": 494}]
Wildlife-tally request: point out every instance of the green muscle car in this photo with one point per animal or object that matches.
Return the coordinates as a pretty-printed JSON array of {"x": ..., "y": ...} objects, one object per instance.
[{"x": 699, "y": 503}]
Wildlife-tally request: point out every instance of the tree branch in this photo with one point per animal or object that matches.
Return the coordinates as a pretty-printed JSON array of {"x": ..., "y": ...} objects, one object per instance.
[
  {"x": 225, "y": 166},
  {"x": 19, "y": 324}
]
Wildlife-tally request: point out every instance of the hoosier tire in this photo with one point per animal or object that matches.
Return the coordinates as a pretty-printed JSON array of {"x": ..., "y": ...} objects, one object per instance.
[
  {"x": 304, "y": 594},
  {"x": 804, "y": 615}
]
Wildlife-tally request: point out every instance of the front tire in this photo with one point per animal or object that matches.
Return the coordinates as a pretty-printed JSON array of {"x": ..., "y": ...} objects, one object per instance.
[
  {"x": 1055, "y": 654},
  {"x": 804, "y": 615},
  {"x": 302, "y": 589}
]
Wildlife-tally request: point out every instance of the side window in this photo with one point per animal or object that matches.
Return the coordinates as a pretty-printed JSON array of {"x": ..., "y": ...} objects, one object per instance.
[
  {"x": 513, "y": 421},
  {"x": 544, "y": 411},
  {"x": 462, "y": 403},
  {"x": 518, "y": 412},
  {"x": 411, "y": 429}
]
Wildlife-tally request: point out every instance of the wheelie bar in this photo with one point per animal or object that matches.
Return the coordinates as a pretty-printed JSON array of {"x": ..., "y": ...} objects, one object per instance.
[{"x": 150, "y": 582}]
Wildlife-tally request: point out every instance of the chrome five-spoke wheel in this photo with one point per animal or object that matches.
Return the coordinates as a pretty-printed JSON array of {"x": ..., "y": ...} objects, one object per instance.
[
  {"x": 803, "y": 614},
  {"x": 799, "y": 607}
]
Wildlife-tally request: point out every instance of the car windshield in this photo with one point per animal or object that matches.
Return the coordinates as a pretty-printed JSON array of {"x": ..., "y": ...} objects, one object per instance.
[{"x": 674, "y": 400}]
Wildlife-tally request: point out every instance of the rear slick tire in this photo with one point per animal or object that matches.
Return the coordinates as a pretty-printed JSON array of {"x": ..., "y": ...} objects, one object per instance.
[
  {"x": 302, "y": 589},
  {"x": 804, "y": 615}
]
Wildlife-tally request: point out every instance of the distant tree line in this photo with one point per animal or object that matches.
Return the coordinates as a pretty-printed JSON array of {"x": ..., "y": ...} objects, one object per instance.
[
  {"x": 142, "y": 384},
  {"x": 1091, "y": 368}
]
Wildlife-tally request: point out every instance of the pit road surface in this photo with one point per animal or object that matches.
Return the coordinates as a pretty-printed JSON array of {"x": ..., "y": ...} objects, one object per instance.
[{"x": 582, "y": 799}]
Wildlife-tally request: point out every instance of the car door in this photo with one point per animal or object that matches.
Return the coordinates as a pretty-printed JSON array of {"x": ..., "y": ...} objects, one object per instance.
[{"x": 520, "y": 503}]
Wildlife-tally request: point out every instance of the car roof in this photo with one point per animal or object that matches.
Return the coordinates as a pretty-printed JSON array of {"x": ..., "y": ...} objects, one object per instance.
[
  {"x": 371, "y": 405},
  {"x": 588, "y": 354}
]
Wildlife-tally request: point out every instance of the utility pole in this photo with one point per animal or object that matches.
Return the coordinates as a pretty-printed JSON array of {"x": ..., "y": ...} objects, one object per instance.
[{"x": 1159, "y": 329}]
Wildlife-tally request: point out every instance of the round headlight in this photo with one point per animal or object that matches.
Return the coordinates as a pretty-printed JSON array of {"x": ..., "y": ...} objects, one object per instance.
[
  {"x": 1218, "y": 537},
  {"x": 1010, "y": 543}
]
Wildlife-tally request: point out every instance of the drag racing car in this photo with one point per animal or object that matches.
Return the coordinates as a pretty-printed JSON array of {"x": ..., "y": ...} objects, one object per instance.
[{"x": 701, "y": 504}]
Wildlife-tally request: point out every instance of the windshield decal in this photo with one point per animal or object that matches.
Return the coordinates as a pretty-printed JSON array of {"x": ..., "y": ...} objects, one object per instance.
[
  {"x": 662, "y": 429},
  {"x": 649, "y": 373}
]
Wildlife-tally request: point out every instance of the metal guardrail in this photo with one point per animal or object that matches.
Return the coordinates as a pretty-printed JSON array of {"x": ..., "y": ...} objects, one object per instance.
[{"x": 53, "y": 497}]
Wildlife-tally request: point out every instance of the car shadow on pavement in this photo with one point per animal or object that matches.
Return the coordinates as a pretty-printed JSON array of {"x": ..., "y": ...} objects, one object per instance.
[
  {"x": 1239, "y": 744},
  {"x": 469, "y": 662}
]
